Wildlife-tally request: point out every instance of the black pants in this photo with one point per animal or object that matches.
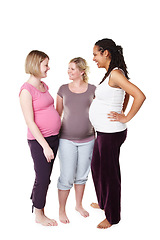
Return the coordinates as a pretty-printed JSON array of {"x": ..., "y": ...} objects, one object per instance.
[
  {"x": 106, "y": 173},
  {"x": 42, "y": 169}
]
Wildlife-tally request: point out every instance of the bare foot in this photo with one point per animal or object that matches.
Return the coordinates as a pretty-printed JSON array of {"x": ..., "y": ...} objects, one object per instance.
[
  {"x": 82, "y": 211},
  {"x": 63, "y": 217},
  {"x": 104, "y": 224},
  {"x": 43, "y": 220},
  {"x": 95, "y": 205}
]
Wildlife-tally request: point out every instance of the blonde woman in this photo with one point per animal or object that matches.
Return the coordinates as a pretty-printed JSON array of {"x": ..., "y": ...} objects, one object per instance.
[
  {"x": 43, "y": 123},
  {"x": 76, "y": 135}
]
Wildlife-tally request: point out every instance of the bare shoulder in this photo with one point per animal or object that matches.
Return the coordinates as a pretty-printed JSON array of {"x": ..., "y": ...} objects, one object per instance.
[
  {"x": 122, "y": 82},
  {"x": 117, "y": 74},
  {"x": 25, "y": 94},
  {"x": 116, "y": 78}
]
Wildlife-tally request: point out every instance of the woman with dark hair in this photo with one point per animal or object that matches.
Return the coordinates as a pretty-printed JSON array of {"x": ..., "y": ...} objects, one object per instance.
[{"x": 108, "y": 118}]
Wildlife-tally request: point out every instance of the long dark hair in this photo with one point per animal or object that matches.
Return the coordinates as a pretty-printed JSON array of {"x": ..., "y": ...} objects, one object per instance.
[{"x": 116, "y": 54}]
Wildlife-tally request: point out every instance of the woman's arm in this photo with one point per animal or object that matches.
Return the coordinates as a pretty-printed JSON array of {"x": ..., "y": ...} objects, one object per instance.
[
  {"x": 27, "y": 109},
  {"x": 119, "y": 80},
  {"x": 59, "y": 105}
]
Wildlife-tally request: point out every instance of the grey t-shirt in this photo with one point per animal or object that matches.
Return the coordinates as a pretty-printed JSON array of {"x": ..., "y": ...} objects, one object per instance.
[{"x": 75, "y": 123}]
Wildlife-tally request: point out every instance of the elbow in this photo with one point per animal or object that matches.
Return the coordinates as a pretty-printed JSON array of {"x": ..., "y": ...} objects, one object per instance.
[
  {"x": 59, "y": 112},
  {"x": 30, "y": 123},
  {"x": 143, "y": 98}
]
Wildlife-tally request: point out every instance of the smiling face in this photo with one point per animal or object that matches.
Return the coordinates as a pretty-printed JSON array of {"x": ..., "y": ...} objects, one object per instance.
[
  {"x": 44, "y": 67},
  {"x": 73, "y": 72},
  {"x": 100, "y": 58}
]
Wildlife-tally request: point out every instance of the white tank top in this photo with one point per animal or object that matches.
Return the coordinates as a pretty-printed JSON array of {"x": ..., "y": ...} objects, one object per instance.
[{"x": 107, "y": 99}]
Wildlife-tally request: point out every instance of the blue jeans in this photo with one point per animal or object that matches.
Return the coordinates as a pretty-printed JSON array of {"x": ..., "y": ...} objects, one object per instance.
[{"x": 75, "y": 161}]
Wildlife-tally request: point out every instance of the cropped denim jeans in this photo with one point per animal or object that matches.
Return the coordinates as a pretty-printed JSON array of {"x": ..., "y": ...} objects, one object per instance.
[{"x": 75, "y": 161}]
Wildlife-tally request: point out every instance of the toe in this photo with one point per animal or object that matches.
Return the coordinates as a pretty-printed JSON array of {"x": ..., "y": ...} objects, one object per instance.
[{"x": 54, "y": 223}]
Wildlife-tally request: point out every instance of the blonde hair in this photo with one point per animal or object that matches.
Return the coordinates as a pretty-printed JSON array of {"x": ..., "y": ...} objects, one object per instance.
[
  {"x": 33, "y": 61},
  {"x": 82, "y": 66}
]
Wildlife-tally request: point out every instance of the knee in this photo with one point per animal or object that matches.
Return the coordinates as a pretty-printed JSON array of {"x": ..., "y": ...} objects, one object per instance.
[
  {"x": 43, "y": 181},
  {"x": 82, "y": 175},
  {"x": 65, "y": 184},
  {"x": 81, "y": 180}
]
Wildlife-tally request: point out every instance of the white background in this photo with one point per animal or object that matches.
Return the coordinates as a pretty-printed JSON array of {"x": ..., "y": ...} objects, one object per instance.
[{"x": 67, "y": 29}]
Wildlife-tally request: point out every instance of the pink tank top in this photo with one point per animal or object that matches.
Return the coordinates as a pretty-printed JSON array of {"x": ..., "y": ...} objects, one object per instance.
[{"x": 45, "y": 115}]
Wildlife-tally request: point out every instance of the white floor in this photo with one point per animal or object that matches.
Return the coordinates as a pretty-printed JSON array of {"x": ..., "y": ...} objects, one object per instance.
[
  {"x": 65, "y": 29},
  {"x": 140, "y": 204}
]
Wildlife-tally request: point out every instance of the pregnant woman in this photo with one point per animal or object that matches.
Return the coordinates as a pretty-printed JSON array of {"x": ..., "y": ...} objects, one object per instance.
[
  {"x": 43, "y": 123},
  {"x": 76, "y": 135},
  {"x": 109, "y": 121}
]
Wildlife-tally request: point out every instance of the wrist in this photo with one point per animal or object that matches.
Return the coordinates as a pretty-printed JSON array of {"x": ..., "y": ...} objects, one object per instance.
[
  {"x": 45, "y": 145},
  {"x": 127, "y": 119}
]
